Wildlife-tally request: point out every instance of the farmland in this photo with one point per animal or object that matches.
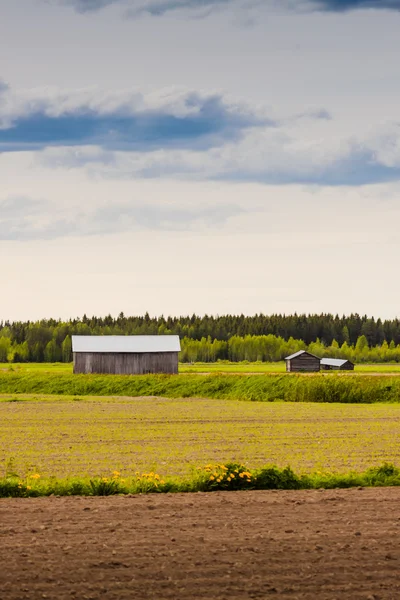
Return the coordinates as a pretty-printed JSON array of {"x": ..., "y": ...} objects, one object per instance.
[
  {"x": 88, "y": 436},
  {"x": 54, "y": 424},
  {"x": 286, "y": 545},
  {"x": 236, "y": 544}
]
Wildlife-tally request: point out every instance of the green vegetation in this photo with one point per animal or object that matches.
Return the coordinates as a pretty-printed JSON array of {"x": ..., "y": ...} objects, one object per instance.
[
  {"x": 86, "y": 437},
  {"x": 271, "y": 367},
  {"x": 208, "y": 339},
  {"x": 330, "y": 387},
  {"x": 199, "y": 367},
  {"x": 230, "y": 477}
]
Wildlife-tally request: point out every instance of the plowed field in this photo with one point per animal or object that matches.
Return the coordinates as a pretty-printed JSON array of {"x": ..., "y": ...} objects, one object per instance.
[{"x": 339, "y": 544}]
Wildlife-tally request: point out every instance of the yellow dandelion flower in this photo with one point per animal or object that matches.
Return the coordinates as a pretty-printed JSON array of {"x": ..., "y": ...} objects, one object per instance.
[
  {"x": 28, "y": 487},
  {"x": 212, "y": 478},
  {"x": 156, "y": 477},
  {"x": 162, "y": 481},
  {"x": 219, "y": 479},
  {"x": 35, "y": 476}
]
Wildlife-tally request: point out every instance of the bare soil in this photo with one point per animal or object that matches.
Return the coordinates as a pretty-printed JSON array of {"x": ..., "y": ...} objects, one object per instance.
[{"x": 339, "y": 544}]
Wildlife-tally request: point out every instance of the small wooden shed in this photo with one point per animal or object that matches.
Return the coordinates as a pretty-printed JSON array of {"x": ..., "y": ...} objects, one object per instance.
[
  {"x": 336, "y": 364},
  {"x": 125, "y": 354},
  {"x": 302, "y": 361}
]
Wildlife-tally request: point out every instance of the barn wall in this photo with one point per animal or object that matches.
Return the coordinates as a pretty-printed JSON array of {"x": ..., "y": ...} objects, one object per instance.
[
  {"x": 348, "y": 366},
  {"x": 304, "y": 362},
  {"x": 126, "y": 363}
]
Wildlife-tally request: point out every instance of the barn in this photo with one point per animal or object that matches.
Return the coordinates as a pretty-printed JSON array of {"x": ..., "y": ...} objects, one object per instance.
[
  {"x": 125, "y": 354},
  {"x": 336, "y": 364},
  {"x": 302, "y": 361}
]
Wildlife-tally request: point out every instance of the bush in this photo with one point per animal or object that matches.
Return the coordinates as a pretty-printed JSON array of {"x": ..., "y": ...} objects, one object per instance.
[{"x": 272, "y": 478}]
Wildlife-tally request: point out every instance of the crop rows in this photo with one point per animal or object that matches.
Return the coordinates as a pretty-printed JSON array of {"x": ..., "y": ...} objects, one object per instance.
[{"x": 88, "y": 437}]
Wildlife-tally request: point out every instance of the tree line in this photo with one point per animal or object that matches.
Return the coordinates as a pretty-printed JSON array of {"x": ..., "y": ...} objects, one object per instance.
[
  {"x": 211, "y": 338},
  {"x": 270, "y": 348}
]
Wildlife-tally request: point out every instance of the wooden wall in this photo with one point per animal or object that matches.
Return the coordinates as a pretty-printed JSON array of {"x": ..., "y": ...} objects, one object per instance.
[
  {"x": 348, "y": 366},
  {"x": 304, "y": 362},
  {"x": 126, "y": 363}
]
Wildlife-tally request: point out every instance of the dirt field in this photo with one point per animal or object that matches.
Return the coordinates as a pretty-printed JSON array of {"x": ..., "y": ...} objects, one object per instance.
[{"x": 339, "y": 544}]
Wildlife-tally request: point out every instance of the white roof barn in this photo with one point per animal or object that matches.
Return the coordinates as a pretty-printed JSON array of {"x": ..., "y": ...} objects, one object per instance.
[
  {"x": 336, "y": 363},
  {"x": 126, "y": 354},
  {"x": 126, "y": 343}
]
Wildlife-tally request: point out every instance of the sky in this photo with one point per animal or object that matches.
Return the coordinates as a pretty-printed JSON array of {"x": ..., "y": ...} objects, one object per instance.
[{"x": 199, "y": 156}]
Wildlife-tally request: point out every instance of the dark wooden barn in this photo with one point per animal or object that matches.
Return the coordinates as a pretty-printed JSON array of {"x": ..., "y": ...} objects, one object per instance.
[
  {"x": 125, "y": 354},
  {"x": 336, "y": 364},
  {"x": 302, "y": 361}
]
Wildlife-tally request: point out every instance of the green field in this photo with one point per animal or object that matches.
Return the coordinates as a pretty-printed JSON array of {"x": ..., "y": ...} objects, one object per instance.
[
  {"x": 89, "y": 436},
  {"x": 221, "y": 367},
  {"x": 65, "y": 429}
]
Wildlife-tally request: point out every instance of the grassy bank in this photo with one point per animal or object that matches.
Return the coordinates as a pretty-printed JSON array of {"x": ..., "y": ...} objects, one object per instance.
[
  {"x": 267, "y": 388},
  {"x": 229, "y": 477}
]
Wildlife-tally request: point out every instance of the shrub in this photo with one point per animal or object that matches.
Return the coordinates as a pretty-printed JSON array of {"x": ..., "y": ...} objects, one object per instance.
[{"x": 272, "y": 478}]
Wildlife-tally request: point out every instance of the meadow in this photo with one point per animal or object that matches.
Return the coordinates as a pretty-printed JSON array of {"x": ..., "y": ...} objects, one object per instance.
[{"x": 88, "y": 436}]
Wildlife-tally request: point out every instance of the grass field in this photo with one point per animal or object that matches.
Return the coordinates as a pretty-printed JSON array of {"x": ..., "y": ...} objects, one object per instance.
[
  {"x": 270, "y": 387},
  {"x": 274, "y": 367},
  {"x": 67, "y": 436},
  {"x": 74, "y": 428}
]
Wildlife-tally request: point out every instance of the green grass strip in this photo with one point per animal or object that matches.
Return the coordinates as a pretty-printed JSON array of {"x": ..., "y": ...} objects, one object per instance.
[
  {"x": 229, "y": 477},
  {"x": 265, "y": 388}
]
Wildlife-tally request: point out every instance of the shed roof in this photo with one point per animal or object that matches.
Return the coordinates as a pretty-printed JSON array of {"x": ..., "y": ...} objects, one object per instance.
[
  {"x": 125, "y": 343},
  {"x": 333, "y": 362},
  {"x": 299, "y": 353}
]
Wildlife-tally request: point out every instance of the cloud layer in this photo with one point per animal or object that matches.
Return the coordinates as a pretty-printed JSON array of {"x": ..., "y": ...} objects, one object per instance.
[
  {"x": 151, "y": 7},
  {"x": 347, "y": 5},
  {"x": 191, "y": 135},
  {"x": 161, "y": 7},
  {"x": 23, "y": 218},
  {"x": 125, "y": 122}
]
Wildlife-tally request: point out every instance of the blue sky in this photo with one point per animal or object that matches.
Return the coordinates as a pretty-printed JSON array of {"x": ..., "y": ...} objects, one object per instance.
[{"x": 224, "y": 136}]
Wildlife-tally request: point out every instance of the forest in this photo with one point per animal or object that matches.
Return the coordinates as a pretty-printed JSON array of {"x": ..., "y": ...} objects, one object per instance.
[{"x": 212, "y": 338}]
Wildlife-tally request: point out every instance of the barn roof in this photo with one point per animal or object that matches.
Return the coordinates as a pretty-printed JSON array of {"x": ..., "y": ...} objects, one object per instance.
[
  {"x": 333, "y": 362},
  {"x": 125, "y": 343},
  {"x": 299, "y": 353}
]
